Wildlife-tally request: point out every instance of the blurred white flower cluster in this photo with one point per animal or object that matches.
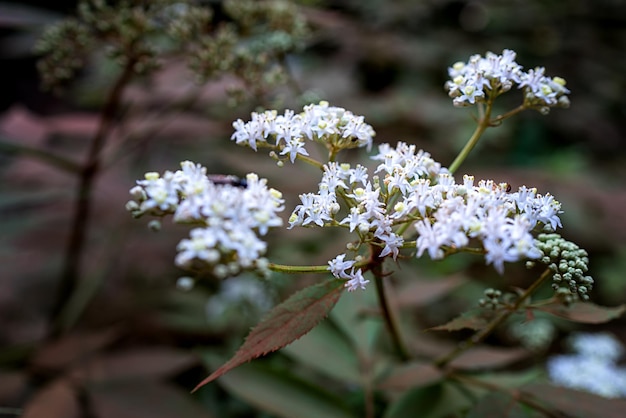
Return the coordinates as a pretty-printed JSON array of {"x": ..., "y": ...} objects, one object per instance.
[
  {"x": 410, "y": 187},
  {"x": 229, "y": 218},
  {"x": 335, "y": 127},
  {"x": 484, "y": 78},
  {"x": 593, "y": 367}
]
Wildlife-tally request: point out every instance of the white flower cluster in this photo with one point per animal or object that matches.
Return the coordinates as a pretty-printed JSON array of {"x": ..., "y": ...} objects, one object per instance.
[
  {"x": 230, "y": 218},
  {"x": 417, "y": 190},
  {"x": 489, "y": 76},
  {"x": 335, "y": 127},
  {"x": 593, "y": 367}
]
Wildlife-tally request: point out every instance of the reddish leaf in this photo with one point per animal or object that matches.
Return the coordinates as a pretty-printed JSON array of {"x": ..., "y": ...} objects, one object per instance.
[
  {"x": 488, "y": 358},
  {"x": 57, "y": 400},
  {"x": 285, "y": 323},
  {"x": 576, "y": 404},
  {"x": 411, "y": 375},
  {"x": 475, "y": 319},
  {"x": 585, "y": 312},
  {"x": 420, "y": 292}
]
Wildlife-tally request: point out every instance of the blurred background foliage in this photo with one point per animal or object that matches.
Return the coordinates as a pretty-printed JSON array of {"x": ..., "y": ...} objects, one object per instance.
[{"x": 130, "y": 337}]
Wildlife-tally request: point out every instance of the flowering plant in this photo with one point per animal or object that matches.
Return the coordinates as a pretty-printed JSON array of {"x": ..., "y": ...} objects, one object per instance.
[{"x": 406, "y": 205}]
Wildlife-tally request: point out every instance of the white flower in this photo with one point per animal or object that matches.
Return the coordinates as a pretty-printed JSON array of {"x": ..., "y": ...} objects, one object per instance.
[
  {"x": 482, "y": 77},
  {"x": 231, "y": 217},
  {"x": 588, "y": 374},
  {"x": 338, "y": 266},
  {"x": 356, "y": 280},
  {"x": 321, "y": 122}
]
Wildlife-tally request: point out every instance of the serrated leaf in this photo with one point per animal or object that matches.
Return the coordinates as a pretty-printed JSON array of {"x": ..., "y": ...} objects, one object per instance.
[
  {"x": 282, "y": 394},
  {"x": 585, "y": 312},
  {"x": 284, "y": 324},
  {"x": 475, "y": 319},
  {"x": 576, "y": 404}
]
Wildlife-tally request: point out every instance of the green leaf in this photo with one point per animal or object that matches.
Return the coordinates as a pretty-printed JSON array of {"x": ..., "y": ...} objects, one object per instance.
[
  {"x": 434, "y": 401},
  {"x": 584, "y": 312},
  {"x": 497, "y": 405},
  {"x": 576, "y": 404},
  {"x": 328, "y": 351},
  {"x": 475, "y": 319},
  {"x": 284, "y": 324},
  {"x": 282, "y": 394},
  {"x": 350, "y": 316}
]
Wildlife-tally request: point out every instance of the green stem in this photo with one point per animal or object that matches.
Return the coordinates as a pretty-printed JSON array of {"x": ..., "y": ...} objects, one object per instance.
[
  {"x": 310, "y": 161},
  {"x": 495, "y": 323},
  {"x": 282, "y": 268},
  {"x": 483, "y": 123},
  {"x": 508, "y": 114}
]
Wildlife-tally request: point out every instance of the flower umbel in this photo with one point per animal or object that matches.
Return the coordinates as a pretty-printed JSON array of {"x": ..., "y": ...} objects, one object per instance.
[
  {"x": 484, "y": 78},
  {"x": 412, "y": 189},
  {"x": 334, "y": 127},
  {"x": 229, "y": 219}
]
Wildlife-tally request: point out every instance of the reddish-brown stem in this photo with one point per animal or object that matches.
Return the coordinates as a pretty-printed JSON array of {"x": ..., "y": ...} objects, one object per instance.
[{"x": 82, "y": 207}]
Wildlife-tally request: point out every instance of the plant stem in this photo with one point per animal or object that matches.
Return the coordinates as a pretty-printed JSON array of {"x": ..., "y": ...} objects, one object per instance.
[
  {"x": 497, "y": 321},
  {"x": 282, "y": 268},
  {"x": 483, "y": 123},
  {"x": 82, "y": 208},
  {"x": 376, "y": 267},
  {"x": 508, "y": 114}
]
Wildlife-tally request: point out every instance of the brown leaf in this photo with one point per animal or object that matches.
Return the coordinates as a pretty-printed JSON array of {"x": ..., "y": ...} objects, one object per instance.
[
  {"x": 409, "y": 376},
  {"x": 72, "y": 349},
  {"x": 135, "y": 364},
  {"x": 420, "y": 292},
  {"x": 576, "y": 404},
  {"x": 488, "y": 358},
  {"x": 475, "y": 319},
  {"x": 585, "y": 312},
  {"x": 144, "y": 399},
  {"x": 57, "y": 400},
  {"x": 12, "y": 387}
]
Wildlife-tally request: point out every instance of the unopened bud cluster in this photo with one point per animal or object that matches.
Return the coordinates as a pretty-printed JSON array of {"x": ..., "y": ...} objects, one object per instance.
[
  {"x": 482, "y": 79},
  {"x": 492, "y": 299},
  {"x": 568, "y": 262},
  {"x": 228, "y": 218}
]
